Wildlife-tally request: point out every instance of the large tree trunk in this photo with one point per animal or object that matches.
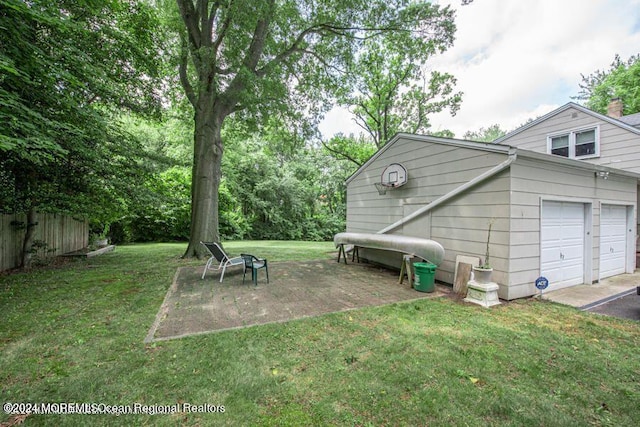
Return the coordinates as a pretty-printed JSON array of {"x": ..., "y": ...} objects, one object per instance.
[
  {"x": 205, "y": 36},
  {"x": 205, "y": 180}
]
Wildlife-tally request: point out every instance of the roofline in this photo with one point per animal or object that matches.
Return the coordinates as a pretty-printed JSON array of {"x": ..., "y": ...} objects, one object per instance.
[
  {"x": 578, "y": 164},
  {"x": 495, "y": 148},
  {"x": 484, "y": 146},
  {"x": 566, "y": 106}
]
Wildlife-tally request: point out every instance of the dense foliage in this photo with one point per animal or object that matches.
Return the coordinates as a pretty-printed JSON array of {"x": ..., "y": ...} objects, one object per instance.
[
  {"x": 621, "y": 80},
  {"x": 488, "y": 134},
  {"x": 272, "y": 188},
  {"x": 394, "y": 92},
  {"x": 285, "y": 58},
  {"x": 68, "y": 69},
  {"x": 93, "y": 125}
]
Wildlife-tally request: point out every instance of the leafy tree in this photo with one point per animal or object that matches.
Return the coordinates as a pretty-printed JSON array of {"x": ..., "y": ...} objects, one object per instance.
[
  {"x": 298, "y": 197},
  {"x": 444, "y": 133},
  {"x": 160, "y": 208},
  {"x": 260, "y": 57},
  {"x": 621, "y": 80},
  {"x": 67, "y": 68},
  {"x": 355, "y": 150},
  {"x": 164, "y": 212},
  {"x": 488, "y": 134},
  {"x": 394, "y": 91}
]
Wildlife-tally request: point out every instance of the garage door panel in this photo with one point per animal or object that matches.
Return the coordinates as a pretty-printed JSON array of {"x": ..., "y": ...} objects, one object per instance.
[
  {"x": 550, "y": 210},
  {"x": 562, "y": 243},
  {"x": 553, "y": 273},
  {"x": 572, "y": 210},
  {"x": 613, "y": 212},
  {"x": 610, "y": 267},
  {"x": 573, "y": 252},
  {"x": 573, "y": 232},
  {"x": 550, "y": 255},
  {"x": 613, "y": 240},
  {"x": 614, "y": 247},
  {"x": 619, "y": 247},
  {"x": 571, "y": 275},
  {"x": 616, "y": 235}
]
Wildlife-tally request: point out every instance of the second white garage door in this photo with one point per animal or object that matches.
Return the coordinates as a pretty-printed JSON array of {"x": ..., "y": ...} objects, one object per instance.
[
  {"x": 562, "y": 243},
  {"x": 613, "y": 240}
]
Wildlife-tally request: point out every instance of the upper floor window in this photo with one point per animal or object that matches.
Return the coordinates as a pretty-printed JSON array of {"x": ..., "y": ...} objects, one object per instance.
[{"x": 577, "y": 144}]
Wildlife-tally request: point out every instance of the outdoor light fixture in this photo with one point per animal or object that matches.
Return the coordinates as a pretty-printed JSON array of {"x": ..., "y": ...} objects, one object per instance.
[{"x": 602, "y": 174}]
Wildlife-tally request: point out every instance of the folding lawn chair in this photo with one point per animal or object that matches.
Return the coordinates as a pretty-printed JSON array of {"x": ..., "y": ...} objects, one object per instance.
[{"x": 218, "y": 254}]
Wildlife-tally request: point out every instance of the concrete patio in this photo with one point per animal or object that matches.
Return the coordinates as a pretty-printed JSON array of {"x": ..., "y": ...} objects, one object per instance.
[{"x": 296, "y": 290}]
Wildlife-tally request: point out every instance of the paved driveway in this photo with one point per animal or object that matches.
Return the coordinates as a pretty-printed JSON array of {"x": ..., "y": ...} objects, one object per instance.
[{"x": 626, "y": 307}]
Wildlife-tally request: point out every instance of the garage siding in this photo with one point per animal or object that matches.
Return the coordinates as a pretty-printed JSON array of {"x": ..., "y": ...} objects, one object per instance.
[
  {"x": 435, "y": 169},
  {"x": 512, "y": 199},
  {"x": 533, "y": 181},
  {"x": 461, "y": 226}
]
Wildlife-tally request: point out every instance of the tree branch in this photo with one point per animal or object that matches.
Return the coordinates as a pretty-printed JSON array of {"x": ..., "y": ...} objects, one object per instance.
[
  {"x": 184, "y": 78},
  {"x": 360, "y": 121},
  {"x": 221, "y": 32},
  {"x": 321, "y": 29},
  {"x": 190, "y": 19},
  {"x": 250, "y": 61},
  {"x": 340, "y": 154},
  {"x": 258, "y": 40},
  {"x": 206, "y": 25}
]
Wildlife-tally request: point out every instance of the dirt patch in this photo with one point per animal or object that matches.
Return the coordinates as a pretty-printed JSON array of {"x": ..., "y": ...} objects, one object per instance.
[{"x": 296, "y": 290}]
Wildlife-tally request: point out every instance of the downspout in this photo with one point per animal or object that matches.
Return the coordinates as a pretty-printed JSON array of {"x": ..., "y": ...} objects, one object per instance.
[{"x": 464, "y": 187}]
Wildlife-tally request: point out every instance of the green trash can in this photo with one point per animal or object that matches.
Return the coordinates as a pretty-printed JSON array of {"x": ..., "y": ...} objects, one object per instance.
[{"x": 425, "y": 277}]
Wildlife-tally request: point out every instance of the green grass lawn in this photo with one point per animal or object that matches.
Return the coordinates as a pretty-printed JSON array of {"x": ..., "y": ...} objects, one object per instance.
[{"x": 74, "y": 333}]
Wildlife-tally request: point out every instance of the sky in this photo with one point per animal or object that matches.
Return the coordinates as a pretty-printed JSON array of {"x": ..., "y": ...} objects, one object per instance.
[{"x": 520, "y": 59}]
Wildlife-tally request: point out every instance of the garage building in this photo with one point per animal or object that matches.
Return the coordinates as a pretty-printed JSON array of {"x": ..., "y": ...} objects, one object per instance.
[{"x": 571, "y": 221}]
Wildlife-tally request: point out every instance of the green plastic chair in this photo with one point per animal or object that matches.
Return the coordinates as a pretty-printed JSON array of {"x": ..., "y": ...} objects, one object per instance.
[{"x": 254, "y": 264}]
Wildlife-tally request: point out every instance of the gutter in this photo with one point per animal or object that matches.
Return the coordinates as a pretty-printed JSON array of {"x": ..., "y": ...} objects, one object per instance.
[{"x": 464, "y": 187}]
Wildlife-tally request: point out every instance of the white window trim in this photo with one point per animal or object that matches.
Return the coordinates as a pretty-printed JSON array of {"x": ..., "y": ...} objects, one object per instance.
[{"x": 572, "y": 141}]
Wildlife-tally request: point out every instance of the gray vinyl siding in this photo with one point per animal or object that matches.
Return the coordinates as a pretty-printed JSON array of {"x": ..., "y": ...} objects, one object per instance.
[
  {"x": 461, "y": 227},
  {"x": 533, "y": 181},
  {"x": 511, "y": 198},
  {"x": 535, "y": 137},
  {"x": 434, "y": 169},
  {"x": 619, "y": 147}
]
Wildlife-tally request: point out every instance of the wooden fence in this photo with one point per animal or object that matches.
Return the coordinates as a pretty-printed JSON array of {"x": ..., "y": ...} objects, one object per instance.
[{"x": 61, "y": 234}]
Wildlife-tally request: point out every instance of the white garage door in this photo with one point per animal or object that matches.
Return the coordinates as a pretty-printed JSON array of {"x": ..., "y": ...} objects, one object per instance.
[
  {"x": 613, "y": 240},
  {"x": 562, "y": 244}
]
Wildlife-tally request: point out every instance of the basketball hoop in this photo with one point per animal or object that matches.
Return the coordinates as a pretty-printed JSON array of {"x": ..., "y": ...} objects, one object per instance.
[
  {"x": 393, "y": 176},
  {"x": 382, "y": 189}
]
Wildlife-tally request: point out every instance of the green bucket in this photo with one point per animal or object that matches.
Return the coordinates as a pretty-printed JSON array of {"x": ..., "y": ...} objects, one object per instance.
[{"x": 425, "y": 277}]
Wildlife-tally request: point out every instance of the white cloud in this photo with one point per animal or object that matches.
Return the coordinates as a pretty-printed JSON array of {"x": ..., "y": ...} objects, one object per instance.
[
  {"x": 339, "y": 120},
  {"x": 516, "y": 60}
]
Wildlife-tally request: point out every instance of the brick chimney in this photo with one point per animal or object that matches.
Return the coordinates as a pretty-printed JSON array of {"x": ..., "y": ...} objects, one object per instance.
[{"x": 615, "y": 108}]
